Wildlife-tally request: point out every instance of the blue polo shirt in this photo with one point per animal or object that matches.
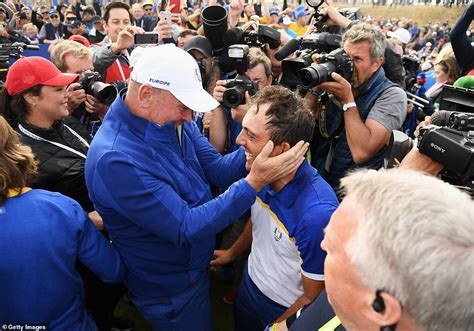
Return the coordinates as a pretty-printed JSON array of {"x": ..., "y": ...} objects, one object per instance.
[{"x": 287, "y": 230}]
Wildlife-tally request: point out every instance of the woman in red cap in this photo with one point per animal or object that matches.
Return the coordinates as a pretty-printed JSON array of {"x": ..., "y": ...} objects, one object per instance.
[{"x": 34, "y": 103}]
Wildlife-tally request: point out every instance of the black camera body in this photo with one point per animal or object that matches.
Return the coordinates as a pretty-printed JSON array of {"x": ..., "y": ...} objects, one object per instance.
[
  {"x": 323, "y": 42},
  {"x": 105, "y": 93},
  {"x": 452, "y": 148},
  {"x": 236, "y": 88},
  {"x": 337, "y": 61},
  {"x": 411, "y": 64}
]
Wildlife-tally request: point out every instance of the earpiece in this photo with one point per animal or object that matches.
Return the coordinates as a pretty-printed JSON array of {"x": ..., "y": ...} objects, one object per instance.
[{"x": 378, "y": 305}]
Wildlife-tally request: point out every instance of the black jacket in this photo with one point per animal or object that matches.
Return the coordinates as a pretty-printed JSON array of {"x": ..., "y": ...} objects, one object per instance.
[{"x": 60, "y": 170}]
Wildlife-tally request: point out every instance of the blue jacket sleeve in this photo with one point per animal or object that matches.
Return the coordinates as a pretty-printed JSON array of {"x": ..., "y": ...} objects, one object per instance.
[
  {"x": 462, "y": 48},
  {"x": 220, "y": 171},
  {"x": 152, "y": 204},
  {"x": 96, "y": 252}
]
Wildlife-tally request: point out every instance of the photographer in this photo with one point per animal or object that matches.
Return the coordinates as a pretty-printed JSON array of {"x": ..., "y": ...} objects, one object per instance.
[
  {"x": 227, "y": 119},
  {"x": 74, "y": 58},
  {"x": 111, "y": 58},
  {"x": 392, "y": 60},
  {"x": 372, "y": 106}
]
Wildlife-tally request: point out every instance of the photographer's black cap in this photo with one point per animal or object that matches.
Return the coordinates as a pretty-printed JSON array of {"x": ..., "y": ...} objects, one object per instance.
[{"x": 199, "y": 43}]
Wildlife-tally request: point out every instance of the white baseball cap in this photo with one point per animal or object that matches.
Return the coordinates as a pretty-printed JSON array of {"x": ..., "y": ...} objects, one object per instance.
[
  {"x": 170, "y": 68},
  {"x": 401, "y": 34}
]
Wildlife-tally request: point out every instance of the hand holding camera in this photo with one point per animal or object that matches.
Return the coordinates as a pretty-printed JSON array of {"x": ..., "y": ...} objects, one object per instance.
[
  {"x": 75, "y": 96},
  {"x": 125, "y": 39}
]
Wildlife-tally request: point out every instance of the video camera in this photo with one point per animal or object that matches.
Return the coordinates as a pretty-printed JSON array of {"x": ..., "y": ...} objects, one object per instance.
[
  {"x": 253, "y": 38},
  {"x": 324, "y": 39},
  {"x": 105, "y": 93},
  {"x": 236, "y": 88},
  {"x": 448, "y": 141}
]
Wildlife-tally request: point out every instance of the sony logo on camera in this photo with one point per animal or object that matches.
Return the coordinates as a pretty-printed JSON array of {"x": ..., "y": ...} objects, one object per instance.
[{"x": 438, "y": 148}]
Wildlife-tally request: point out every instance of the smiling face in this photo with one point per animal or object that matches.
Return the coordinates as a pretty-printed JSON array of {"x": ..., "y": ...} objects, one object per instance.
[
  {"x": 51, "y": 104},
  {"x": 118, "y": 20},
  {"x": 254, "y": 135},
  {"x": 363, "y": 65}
]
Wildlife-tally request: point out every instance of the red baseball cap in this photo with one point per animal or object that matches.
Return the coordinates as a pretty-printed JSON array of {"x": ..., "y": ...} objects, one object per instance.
[{"x": 31, "y": 71}]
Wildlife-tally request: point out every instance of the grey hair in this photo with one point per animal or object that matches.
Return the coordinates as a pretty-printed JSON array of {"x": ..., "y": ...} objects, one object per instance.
[
  {"x": 415, "y": 240},
  {"x": 367, "y": 32}
]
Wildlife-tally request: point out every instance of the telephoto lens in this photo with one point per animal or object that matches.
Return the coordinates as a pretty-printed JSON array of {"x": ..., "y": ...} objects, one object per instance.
[{"x": 315, "y": 75}]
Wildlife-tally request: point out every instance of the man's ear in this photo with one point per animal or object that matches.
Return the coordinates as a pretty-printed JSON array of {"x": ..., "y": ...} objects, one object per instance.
[
  {"x": 279, "y": 149},
  {"x": 145, "y": 96},
  {"x": 385, "y": 310},
  {"x": 377, "y": 64},
  {"x": 285, "y": 147}
]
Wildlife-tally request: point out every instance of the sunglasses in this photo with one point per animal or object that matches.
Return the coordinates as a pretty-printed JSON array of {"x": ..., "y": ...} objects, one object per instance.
[
  {"x": 53, "y": 16},
  {"x": 70, "y": 19},
  {"x": 45, "y": 13}
]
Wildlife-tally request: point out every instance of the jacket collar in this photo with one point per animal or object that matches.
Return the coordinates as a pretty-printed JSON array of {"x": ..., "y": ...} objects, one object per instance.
[
  {"x": 142, "y": 127},
  {"x": 291, "y": 191}
]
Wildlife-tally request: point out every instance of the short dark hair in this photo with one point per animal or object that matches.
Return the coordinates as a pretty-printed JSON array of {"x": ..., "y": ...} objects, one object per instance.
[
  {"x": 89, "y": 10},
  {"x": 187, "y": 32},
  {"x": 289, "y": 119},
  {"x": 113, "y": 5}
]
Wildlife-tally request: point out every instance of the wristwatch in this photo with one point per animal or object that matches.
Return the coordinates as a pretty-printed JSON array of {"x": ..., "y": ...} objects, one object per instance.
[{"x": 348, "y": 105}]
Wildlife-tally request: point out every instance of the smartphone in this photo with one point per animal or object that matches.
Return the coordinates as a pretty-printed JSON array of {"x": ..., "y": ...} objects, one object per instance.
[
  {"x": 165, "y": 16},
  {"x": 177, "y": 6},
  {"x": 147, "y": 38},
  {"x": 163, "y": 5}
]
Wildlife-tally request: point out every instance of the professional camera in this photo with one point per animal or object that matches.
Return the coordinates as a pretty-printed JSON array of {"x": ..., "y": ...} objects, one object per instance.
[
  {"x": 411, "y": 64},
  {"x": 323, "y": 42},
  {"x": 336, "y": 61},
  {"x": 451, "y": 145},
  {"x": 105, "y": 93},
  {"x": 253, "y": 38},
  {"x": 236, "y": 88},
  {"x": 12, "y": 51}
]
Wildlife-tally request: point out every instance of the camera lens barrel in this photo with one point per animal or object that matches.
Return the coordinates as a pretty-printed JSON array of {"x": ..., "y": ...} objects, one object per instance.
[
  {"x": 105, "y": 93},
  {"x": 315, "y": 75},
  {"x": 233, "y": 97}
]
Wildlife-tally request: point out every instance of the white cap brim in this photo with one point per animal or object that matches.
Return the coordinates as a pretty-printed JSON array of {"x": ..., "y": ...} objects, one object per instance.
[{"x": 199, "y": 101}]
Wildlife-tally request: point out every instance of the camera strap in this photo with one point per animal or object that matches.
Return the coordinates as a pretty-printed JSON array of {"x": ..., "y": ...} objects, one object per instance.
[{"x": 67, "y": 148}]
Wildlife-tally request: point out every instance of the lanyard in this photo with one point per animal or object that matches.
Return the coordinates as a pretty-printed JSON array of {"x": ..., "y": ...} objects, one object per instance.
[
  {"x": 67, "y": 148},
  {"x": 120, "y": 69}
]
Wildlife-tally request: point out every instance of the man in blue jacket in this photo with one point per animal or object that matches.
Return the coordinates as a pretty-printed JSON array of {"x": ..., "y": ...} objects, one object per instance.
[{"x": 148, "y": 172}]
